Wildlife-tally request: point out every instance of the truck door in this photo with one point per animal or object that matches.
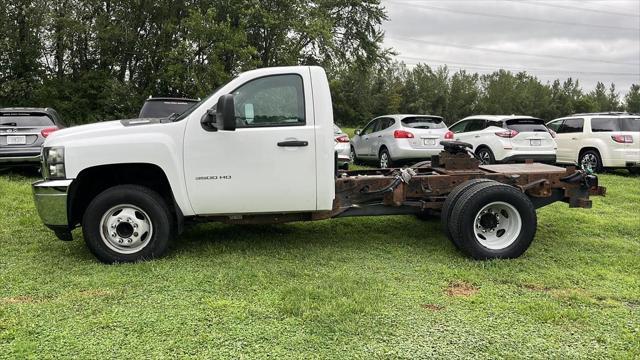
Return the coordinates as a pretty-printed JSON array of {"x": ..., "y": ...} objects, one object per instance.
[{"x": 268, "y": 165}]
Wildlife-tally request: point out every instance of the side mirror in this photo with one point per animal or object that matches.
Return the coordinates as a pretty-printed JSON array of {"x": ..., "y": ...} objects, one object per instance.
[
  {"x": 357, "y": 132},
  {"x": 226, "y": 113}
]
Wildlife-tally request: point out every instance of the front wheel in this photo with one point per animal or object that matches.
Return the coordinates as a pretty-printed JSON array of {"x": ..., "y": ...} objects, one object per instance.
[
  {"x": 127, "y": 223},
  {"x": 493, "y": 221},
  {"x": 634, "y": 170}
]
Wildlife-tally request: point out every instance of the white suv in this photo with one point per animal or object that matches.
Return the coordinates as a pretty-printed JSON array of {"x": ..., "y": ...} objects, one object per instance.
[
  {"x": 394, "y": 139},
  {"x": 502, "y": 138},
  {"x": 599, "y": 140}
]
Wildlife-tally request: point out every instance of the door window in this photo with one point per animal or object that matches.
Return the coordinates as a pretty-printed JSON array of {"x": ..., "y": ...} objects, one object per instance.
[
  {"x": 270, "y": 101},
  {"x": 555, "y": 125},
  {"x": 370, "y": 127},
  {"x": 571, "y": 126},
  {"x": 605, "y": 124},
  {"x": 476, "y": 125},
  {"x": 384, "y": 123},
  {"x": 459, "y": 127}
]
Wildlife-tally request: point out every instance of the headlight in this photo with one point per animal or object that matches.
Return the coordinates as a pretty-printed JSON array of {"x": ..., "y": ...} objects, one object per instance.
[{"x": 53, "y": 159}]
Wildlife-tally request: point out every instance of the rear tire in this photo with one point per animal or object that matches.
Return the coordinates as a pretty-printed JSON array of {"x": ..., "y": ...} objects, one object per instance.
[
  {"x": 494, "y": 221},
  {"x": 450, "y": 202},
  {"x": 486, "y": 156},
  {"x": 128, "y": 223},
  {"x": 634, "y": 170},
  {"x": 591, "y": 158},
  {"x": 385, "y": 160}
]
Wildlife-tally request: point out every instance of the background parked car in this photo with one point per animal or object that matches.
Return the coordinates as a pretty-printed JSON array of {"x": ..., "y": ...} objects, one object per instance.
[
  {"x": 599, "y": 140},
  {"x": 502, "y": 138},
  {"x": 394, "y": 139},
  {"x": 161, "y": 107},
  {"x": 22, "y": 132},
  {"x": 342, "y": 147}
]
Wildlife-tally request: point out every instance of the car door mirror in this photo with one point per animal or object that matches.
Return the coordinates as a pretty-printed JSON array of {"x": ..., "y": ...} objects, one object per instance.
[
  {"x": 357, "y": 132},
  {"x": 226, "y": 113}
]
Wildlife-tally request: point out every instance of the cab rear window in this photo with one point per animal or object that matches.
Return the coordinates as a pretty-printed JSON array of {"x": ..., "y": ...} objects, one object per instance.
[
  {"x": 423, "y": 122},
  {"x": 17, "y": 120},
  {"x": 526, "y": 125}
]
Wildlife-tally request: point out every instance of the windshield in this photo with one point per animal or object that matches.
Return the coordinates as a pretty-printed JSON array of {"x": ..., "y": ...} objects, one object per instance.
[
  {"x": 630, "y": 124},
  {"x": 188, "y": 111},
  {"x": 526, "y": 125},
  {"x": 164, "y": 108},
  {"x": 423, "y": 122},
  {"x": 25, "y": 120}
]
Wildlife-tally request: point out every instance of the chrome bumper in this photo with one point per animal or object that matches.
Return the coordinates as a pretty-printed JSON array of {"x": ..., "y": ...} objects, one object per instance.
[{"x": 50, "y": 197}]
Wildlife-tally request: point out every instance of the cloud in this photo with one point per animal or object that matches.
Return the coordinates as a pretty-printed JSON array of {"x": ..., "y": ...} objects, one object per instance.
[{"x": 588, "y": 40}]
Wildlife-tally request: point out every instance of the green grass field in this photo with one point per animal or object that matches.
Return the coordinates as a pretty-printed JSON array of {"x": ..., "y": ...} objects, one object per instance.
[{"x": 389, "y": 287}]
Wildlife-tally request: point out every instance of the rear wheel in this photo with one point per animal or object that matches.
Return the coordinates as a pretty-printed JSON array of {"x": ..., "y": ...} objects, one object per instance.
[
  {"x": 590, "y": 159},
  {"x": 634, "y": 170},
  {"x": 493, "y": 221},
  {"x": 450, "y": 202},
  {"x": 385, "y": 159},
  {"x": 486, "y": 156},
  {"x": 127, "y": 223}
]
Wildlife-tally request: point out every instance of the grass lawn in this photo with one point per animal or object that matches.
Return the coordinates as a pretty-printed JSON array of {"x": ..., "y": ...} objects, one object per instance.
[{"x": 389, "y": 287}]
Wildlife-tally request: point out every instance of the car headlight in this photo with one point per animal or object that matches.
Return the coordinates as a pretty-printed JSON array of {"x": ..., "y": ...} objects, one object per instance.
[{"x": 53, "y": 163}]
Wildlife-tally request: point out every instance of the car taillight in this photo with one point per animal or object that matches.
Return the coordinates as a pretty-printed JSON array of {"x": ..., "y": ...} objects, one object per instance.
[
  {"x": 448, "y": 135},
  {"x": 622, "y": 139},
  {"x": 553, "y": 133},
  {"x": 507, "y": 134},
  {"x": 342, "y": 139},
  {"x": 47, "y": 131},
  {"x": 401, "y": 134}
]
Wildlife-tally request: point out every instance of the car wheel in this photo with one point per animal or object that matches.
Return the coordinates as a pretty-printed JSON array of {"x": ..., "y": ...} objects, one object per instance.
[
  {"x": 353, "y": 158},
  {"x": 590, "y": 160},
  {"x": 493, "y": 221},
  {"x": 450, "y": 202},
  {"x": 634, "y": 170},
  {"x": 127, "y": 223},
  {"x": 486, "y": 156},
  {"x": 385, "y": 159}
]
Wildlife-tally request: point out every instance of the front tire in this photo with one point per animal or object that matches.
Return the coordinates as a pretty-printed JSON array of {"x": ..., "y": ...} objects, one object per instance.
[
  {"x": 495, "y": 221},
  {"x": 634, "y": 170},
  {"x": 127, "y": 223}
]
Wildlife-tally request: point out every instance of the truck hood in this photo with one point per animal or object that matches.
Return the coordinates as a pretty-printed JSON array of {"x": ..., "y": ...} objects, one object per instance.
[{"x": 114, "y": 127}]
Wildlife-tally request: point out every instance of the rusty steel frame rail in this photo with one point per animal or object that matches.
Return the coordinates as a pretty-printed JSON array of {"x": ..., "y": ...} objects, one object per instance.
[{"x": 425, "y": 186}]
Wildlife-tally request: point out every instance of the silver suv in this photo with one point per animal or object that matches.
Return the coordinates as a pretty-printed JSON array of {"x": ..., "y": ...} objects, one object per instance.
[
  {"x": 22, "y": 132},
  {"x": 394, "y": 139}
]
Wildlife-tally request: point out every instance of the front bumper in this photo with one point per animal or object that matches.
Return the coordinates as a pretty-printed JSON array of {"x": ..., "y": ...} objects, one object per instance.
[{"x": 50, "y": 197}]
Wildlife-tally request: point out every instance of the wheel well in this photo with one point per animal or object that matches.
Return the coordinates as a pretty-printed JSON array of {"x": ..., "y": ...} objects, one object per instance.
[
  {"x": 479, "y": 147},
  {"x": 383, "y": 147},
  {"x": 585, "y": 149},
  {"x": 92, "y": 181}
]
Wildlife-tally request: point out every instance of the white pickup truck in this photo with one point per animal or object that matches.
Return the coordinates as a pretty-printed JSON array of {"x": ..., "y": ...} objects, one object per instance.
[{"x": 260, "y": 149}]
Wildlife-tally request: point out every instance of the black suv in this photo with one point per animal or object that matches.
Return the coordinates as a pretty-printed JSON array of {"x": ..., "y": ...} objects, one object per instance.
[{"x": 22, "y": 132}]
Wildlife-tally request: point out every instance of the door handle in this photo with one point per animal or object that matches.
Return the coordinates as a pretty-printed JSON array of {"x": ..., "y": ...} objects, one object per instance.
[
  {"x": 574, "y": 138},
  {"x": 293, "y": 143},
  {"x": 477, "y": 136},
  {"x": 379, "y": 136}
]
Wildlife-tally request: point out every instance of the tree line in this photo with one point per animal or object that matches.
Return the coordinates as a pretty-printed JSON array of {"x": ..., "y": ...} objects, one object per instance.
[{"x": 96, "y": 60}]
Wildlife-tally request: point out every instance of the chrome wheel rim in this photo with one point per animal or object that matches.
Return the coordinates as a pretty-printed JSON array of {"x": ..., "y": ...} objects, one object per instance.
[
  {"x": 126, "y": 229},
  {"x": 589, "y": 161},
  {"x": 485, "y": 158},
  {"x": 384, "y": 160},
  {"x": 497, "y": 225}
]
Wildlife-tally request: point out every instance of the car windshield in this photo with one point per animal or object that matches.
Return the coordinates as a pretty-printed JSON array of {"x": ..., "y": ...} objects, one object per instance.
[
  {"x": 526, "y": 125},
  {"x": 630, "y": 124},
  {"x": 423, "y": 122},
  {"x": 25, "y": 120},
  {"x": 164, "y": 108}
]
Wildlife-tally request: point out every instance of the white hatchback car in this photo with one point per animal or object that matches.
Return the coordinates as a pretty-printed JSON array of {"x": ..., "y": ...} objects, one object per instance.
[
  {"x": 599, "y": 140},
  {"x": 342, "y": 147},
  {"x": 393, "y": 139},
  {"x": 506, "y": 138}
]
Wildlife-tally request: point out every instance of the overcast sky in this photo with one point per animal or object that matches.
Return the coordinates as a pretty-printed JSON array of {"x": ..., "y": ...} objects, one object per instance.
[{"x": 592, "y": 40}]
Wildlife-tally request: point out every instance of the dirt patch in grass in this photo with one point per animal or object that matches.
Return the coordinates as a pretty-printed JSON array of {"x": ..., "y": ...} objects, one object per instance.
[
  {"x": 432, "y": 307},
  {"x": 461, "y": 289},
  {"x": 94, "y": 293},
  {"x": 536, "y": 287},
  {"x": 18, "y": 300}
]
